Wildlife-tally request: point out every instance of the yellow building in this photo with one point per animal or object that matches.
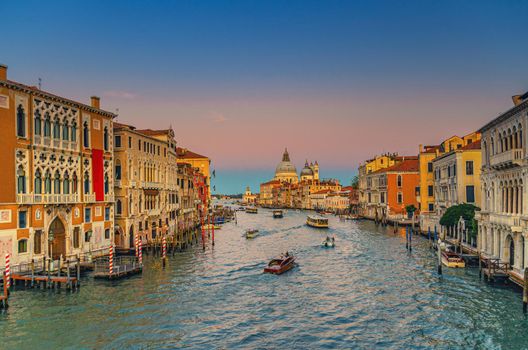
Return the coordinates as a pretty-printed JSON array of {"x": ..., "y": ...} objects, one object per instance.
[{"x": 202, "y": 163}]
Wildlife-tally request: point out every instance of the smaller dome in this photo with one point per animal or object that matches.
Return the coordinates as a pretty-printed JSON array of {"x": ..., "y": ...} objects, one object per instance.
[{"x": 307, "y": 171}]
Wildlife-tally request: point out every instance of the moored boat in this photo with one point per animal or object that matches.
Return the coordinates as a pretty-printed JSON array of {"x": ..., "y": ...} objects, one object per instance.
[
  {"x": 280, "y": 265},
  {"x": 317, "y": 221},
  {"x": 451, "y": 259},
  {"x": 211, "y": 226},
  {"x": 277, "y": 214},
  {"x": 251, "y": 210},
  {"x": 251, "y": 234}
]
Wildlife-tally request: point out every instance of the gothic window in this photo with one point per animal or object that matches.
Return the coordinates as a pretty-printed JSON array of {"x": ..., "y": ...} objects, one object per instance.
[
  {"x": 66, "y": 184},
  {"x": 118, "y": 207},
  {"x": 65, "y": 132},
  {"x": 56, "y": 129},
  {"x": 38, "y": 123},
  {"x": 38, "y": 182},
  {"x": 106, "y": 184},
  {"x": 105, "y": 139},
  {"x": 399, "y": 181},
  {"x": 86, "y": 135},
  {"x": 47, "y": 182},
  {"x": 86, "y": 183},
  {"x": 21, "y": 180},
  {"x": 74, "y": 183},
  {"x": 47, "y": 125},
  {"x": 57, "y": 183},
  {"x": 74, "y": 132},
  {"x": 118, "y": 170},
  {"x": 21, "y": 121}
]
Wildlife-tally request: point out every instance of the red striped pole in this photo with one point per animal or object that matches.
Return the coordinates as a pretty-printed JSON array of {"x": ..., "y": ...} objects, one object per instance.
[
  {"x": 164, "y": 249},
  {"x": 213, "y": 228},
  {"x": 203, "y": 231},
  {"x": 111, "y": 260},
  {"x": 8, "y": 269},
  {"x": 140, "y": 253},
  {"x": 136, "y": 244}
]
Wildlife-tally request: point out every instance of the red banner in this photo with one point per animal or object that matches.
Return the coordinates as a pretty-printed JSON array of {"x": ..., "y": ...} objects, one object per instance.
[{"x": 98, "y": 174}]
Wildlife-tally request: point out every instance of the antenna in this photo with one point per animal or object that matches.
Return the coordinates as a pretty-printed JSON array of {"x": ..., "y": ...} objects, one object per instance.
[{"x": 40, "y": 83}]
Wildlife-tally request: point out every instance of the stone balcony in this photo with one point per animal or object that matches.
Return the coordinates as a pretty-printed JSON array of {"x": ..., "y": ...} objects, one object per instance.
[
  {"x": 507, "y": 159},
  {"x": 151, "y": 184},
  {"x": 513, "y": 221},
  {"x": 48, "y": 198}
]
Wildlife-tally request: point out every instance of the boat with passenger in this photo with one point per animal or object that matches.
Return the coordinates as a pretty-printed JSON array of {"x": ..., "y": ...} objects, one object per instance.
[
  {"x": 452, "y": 259},
  {"x": 251, "y": 210},
  {"x": 317, "y": 221},
  {"x": 278, "y": 214},
  {"x": 281, "y": 264},
  {"x": 328, "y": 242},
  {"x": 252, "y": 233}
]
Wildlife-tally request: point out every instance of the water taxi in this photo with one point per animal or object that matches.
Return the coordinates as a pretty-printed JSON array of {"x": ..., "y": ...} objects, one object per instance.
[
  {"x": 250, "y": 234},
  {"x": 251, "y": 210},
  {"x": 280, "y": 265},
  {"x": 317, "y": 221},
  {"x": 277, "y": 214},
  {"x": 451, "y": 259}
]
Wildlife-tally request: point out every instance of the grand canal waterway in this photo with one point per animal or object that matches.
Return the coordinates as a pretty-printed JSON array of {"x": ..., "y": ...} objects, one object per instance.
[{"x": 367, "y": 293}]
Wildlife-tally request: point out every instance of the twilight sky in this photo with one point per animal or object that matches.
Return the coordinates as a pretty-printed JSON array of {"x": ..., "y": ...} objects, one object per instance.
[{"x": 336, "y": 81}]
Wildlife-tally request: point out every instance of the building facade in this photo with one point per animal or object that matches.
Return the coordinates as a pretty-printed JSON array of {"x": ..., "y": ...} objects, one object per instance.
[
  {"x": 503, "y": 226},
  {"x": 57, "y": 200}
]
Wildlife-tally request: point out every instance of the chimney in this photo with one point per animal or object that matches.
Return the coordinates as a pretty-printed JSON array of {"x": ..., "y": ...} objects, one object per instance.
[
  {"x": 517, "y": 99},
  {"x": 3, "y": 72},
  {"x": 96, "y": 102}
]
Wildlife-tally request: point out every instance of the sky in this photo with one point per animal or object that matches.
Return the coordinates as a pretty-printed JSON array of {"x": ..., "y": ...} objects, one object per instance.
[{"x": 334, "y": 81}]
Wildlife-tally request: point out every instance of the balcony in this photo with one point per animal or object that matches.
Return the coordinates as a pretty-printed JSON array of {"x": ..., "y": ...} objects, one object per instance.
[
  {"x": 109, "y": 198},
  {"x": 150, "y": 184},
  {"x": 154, "y": 212},
  {"x": 117, "y": 183},
  {"x": 89, "y": 198},
  {"x": 507, "y": 159},
  {"x": 513, "y": 221},
  {"x": 47, "y": 198}
]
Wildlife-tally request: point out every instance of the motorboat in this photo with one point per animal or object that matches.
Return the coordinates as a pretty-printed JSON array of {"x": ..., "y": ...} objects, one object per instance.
[
  {"x": 251, "y": 210},
  {"x": 451, "y": 259},
  {"x": 328, "y": 243},
  {"x": 278, "y": 214},
  {"x": 280, "y": 265},
  {"x": 211, "y": 226},
  {"x": 317, "y": 221},
  {"x": 250, "y": 234}
]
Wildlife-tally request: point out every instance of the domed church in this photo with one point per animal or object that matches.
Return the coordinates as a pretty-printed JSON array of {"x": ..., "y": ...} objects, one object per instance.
[
  {"x": 286, "y": 171},
  {"x": 310, "y": 171}
]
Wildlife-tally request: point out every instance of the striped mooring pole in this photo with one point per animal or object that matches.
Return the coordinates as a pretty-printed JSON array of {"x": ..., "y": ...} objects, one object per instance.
[
  {"x": 136, "y": 244},
  {"x": 8, "y": 270},
  {"x": 140, "y": 252},
  {"x": 111, "y": 260},
  {"x": 164, "y": 250},
  {"x": 213, "y": 228}
]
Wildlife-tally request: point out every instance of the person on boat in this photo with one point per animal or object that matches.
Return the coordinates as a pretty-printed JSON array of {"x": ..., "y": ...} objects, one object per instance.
[{"x": 333, "y": 239}]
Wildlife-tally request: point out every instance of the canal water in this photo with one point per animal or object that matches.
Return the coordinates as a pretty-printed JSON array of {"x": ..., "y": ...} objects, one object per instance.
[{"x": 366, "y": 293}]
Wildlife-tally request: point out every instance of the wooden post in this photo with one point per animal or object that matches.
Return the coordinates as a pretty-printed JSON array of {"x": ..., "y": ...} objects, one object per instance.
[
  {"x": 480, "y": 265},
  {"x": 439, "y": 254},
  {"x": 429, "y": 237},
  {"x": 68, "y": 280},
  {"x": 410, "y": 238},
  {"x": 32, "y": 273},
  {"x": 213, "y": 228},
  {"x": 78, "y": 282},
  {"x": 525, "y": 291},
  {"x": 407, "y": 237},
  {"x": 6, "y": 292}
]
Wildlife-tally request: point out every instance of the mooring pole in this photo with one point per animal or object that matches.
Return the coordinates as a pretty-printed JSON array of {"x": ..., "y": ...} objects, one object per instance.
[
  {"x": 410, "y": 238},
  {"x": 429, "y": 237},
  {"x": 439, "y": 255},
  {"x": 525, "y": 290},
  {"x": 407, "y": 237}
]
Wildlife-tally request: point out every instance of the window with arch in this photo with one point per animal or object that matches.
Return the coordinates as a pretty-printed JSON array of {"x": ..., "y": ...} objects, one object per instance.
[
  {"x": 400, "y": 198},
  {"x": 47, "y": 182},
  {"x": 86, "y": 135},
  {"x": 65, "y": 132},
  {"x": 86, "y": 183},
  {"x": 106, "y": 184},
  {"x": 74, "y": 183},
  {"x": 37, "y": 242},
  {"x": 399, "y": 180},
  {"x": 47, "y": 125},
  {"x": 21, "y": 121},
  {"x": 73, "y": 134},
  {"x": 38, "y": 182},
  {"x": 87, "y": 236},
  {"x": 38, "y": 123},
  {"x": 22, "y": 246},
  {"x": 118, "y": 170},
  {"x": 57, "y": 183},
  {"x": 105, "y": 138},
  {"x": 76, "y": 237},
  {"x": 21, "y": 180},
  {"x": 56, "y": 129},
  {"x": 118, "y": 207},
  {"x": 66, "y": 184}
]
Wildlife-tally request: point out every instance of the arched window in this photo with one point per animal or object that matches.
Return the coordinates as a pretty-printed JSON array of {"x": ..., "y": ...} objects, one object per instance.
[
  {"x": 47, "y": 182},
  {"x": 492, "y": 146},
  {"x": 86, "y": 135},
  {"x": 56, "y": 129},
  {"x": 38, "y": 123},
  {"x": 118, "y": 170},
  {"x": 21, "y": 121},
  {"x": 73, "y": 133},
  {"x": 65, "y": 132},
  {"x": 21, "y": 180},
  {"x": 399, "y": 181},
  {"x": 106, "y": 184},
  {"x": 520, "y": 136},
  {"x": 118, "y": 207},
  {"x": 66, "y": 184},
  {"x": 105, "y": 138},
  {"x": 38, "y": 182},
  {"x": 37, "y": 242},
  {"x": 47, "y": 125},
  {"x": 57, "y": 183},
  {"x": 86, "y": 183},
  {"x": 74, "y": 183}
]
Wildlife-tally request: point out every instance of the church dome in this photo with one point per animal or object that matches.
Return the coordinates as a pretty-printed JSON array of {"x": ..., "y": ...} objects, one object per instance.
[
  {"x": 307, "y": 171},
  {"x": 286, "y": 166}
]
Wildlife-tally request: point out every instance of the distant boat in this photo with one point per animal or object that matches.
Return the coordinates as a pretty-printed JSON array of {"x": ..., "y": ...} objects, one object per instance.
[
  {"x": 317, "y": 221},
  {"x": 211, "y": 226},
  {"x": 280, "y": 265},
  {"x": 251, "y": 210},
  {"x": 250, "y": 234},
  {"x": 328, "y": 243},
  {"x": 277, "y": 214}
]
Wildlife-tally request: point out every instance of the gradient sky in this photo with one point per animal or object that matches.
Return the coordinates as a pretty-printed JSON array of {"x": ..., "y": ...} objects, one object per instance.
[{"x": 336, "y": 81}]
